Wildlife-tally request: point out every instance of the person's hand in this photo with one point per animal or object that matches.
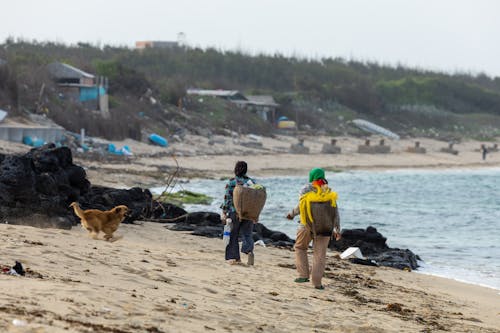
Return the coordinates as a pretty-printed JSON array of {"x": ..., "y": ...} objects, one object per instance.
[
  {"x": 223, "y": 218},
  {"x": 289, "y": 216},
  {"x": 337, "y": 236}
]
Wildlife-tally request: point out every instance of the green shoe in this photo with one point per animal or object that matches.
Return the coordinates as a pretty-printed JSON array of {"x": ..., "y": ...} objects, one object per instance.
[
  {"x": 301, "y": 280},
  {"x": 320, "y": 287}
]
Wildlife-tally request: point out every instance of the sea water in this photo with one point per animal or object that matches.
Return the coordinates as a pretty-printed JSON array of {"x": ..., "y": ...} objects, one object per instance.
[{"x": 450, "y": 218}]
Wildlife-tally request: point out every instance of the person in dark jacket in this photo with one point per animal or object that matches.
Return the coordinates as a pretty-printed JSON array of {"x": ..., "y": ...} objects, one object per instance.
[{"x": 245, "y": 227}]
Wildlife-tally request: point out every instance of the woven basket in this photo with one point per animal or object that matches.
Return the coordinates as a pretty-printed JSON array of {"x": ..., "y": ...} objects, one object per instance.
[
  {"x": 249, "y": 202},
  {"x": 323, "y": 215}
]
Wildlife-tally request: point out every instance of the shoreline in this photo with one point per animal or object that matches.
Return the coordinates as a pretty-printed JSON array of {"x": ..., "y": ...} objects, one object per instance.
[
  {"x": 158, "y": 280},
  {"x": 198, "y": 157},
  {"x": 458, "y": 280}
]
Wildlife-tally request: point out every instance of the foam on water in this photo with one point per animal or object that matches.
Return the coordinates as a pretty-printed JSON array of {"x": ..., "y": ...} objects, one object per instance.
[{"x": 450, "y": 218}]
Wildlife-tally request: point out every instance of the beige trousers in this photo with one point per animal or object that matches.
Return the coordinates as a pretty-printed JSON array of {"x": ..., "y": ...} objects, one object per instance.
[{"x": 320, "y": 245}]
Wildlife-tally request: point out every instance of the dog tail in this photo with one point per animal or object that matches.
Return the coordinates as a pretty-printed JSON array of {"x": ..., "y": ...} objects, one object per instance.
[{"x": 76, "y": 208}]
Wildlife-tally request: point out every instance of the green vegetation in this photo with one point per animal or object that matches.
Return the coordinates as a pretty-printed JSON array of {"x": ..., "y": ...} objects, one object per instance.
[{"x": 185, "y": 197}]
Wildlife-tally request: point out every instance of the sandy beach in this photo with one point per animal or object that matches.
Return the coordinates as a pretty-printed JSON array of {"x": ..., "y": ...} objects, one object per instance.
[{"x": 156, "y": 280}]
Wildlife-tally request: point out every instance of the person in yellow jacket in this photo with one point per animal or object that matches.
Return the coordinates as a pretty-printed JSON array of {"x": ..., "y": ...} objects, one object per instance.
[{"x": 316, "y": 191}]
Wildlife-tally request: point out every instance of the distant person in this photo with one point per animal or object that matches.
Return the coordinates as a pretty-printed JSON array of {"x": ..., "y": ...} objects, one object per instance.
[
  {"x": 316, "y": 191},
  {"x": 484, "y": 151},
  {"x": 245, "y": 227}
]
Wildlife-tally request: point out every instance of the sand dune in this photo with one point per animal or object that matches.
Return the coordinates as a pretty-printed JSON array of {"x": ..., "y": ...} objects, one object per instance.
[{"x": 156, "y": 280}]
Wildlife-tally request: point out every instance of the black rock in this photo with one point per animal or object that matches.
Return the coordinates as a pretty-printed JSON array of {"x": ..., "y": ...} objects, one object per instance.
[
  {"x": 373, "y": 246},
  {"x": 209, "y": 231},
  {"x": 396, "y": 258}
]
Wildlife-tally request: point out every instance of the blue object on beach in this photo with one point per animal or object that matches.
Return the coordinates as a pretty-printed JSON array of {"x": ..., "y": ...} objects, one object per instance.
[
  {"x": 158, "y": 140},
  {"x": 27, "y": 140},
  {"x": 111, "y": 148},
  {"x": 38, "y": 143}
]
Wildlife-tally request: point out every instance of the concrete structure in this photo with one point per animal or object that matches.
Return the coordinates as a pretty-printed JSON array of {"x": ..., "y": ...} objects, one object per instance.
[
  {"x": 380, "y": 149},
  {"x": 17, "y": 133},
  {"x": 299, "y": 148},
  {"x": 331, "y": 148},
  {"x": 2, "y": 62},
  {"x": 417, "y": 149},
  {"x": 450, "y": 149}
]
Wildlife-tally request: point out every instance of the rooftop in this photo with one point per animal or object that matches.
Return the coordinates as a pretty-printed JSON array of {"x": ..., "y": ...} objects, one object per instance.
[{"x": 64, "y": 71}]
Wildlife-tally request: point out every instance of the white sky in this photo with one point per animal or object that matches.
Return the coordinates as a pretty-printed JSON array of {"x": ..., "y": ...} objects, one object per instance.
[{"x": 447, "y": 35}]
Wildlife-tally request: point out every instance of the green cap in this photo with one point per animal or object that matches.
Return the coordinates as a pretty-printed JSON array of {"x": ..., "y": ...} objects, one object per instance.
[{"x": 316, "y": 173}]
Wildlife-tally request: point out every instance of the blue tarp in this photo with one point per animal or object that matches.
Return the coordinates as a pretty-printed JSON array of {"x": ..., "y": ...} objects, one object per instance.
[{"x": 90, "y": 93}]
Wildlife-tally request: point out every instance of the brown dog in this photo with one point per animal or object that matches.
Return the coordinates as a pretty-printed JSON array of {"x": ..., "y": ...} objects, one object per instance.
[{"x": 95, "y": 220}]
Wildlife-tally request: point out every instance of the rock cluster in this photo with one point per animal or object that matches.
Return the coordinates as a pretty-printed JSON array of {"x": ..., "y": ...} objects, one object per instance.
[
  {"x": 373, "y": 246},
  {"x": 44, "y": 182}
]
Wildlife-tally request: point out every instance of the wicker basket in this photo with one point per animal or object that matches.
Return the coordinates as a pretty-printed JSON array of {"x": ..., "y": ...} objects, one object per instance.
[
  {"x": 249, "y": 202},
  {"x": 323, "y": 214}
]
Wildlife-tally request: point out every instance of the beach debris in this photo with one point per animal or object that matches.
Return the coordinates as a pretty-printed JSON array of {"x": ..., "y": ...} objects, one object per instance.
[
  {"x": 260, "y": 242},
  {"x": 18, "y": 268},
  {"x": 125, "y": 150},
  {"x": 19, "y": 322},
  {"x": 158, "y": 140},
  {"x": 365, "y": 262},
  {"x": 33, "y": 142},
  {"x": 352, "y": 252}
]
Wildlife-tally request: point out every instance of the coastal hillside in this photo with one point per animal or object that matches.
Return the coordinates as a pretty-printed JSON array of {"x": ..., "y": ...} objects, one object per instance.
[{"x": 147, "y": 92}]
